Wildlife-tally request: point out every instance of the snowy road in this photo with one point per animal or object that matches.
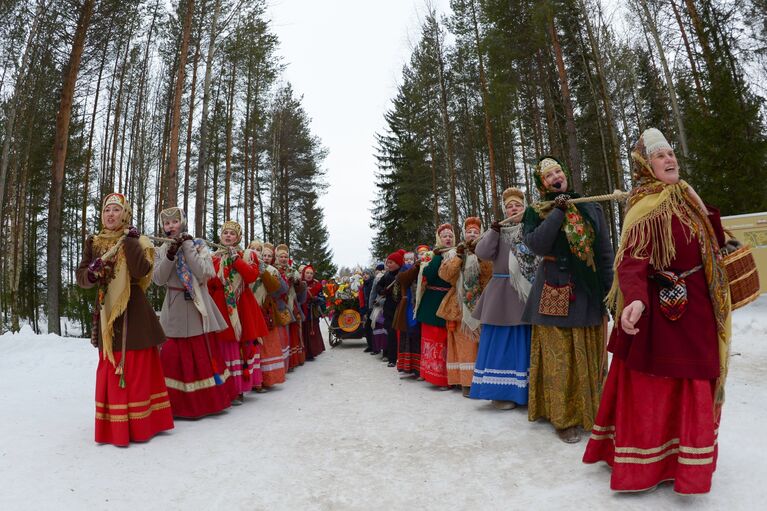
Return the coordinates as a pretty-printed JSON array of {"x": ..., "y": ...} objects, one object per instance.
[{"x": 343, "y": 433}]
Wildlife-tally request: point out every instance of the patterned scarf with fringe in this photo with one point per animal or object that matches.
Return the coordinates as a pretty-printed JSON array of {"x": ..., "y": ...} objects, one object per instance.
[{"x": 647, "y": 235}]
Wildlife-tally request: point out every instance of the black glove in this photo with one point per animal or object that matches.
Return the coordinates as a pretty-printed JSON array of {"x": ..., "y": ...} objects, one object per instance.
[
  {"x": 496, "y": 226},
  {"x": 132, "y": 232},
  {"x": 562, "y": 201},
  {"x": 172, "y": 249}
]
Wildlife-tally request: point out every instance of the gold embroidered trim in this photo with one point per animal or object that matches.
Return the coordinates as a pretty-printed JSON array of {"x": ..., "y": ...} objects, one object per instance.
[
  {"x": 695, "y": 461},
  {"x": 134, "y": 404},
  {"x": 697, "y": 450},
  {"x": 603, "y": 428},
  {"x": 197, "y": 385},
  {"x": 653, "y": 450},
  {"x": 132, "y": 415},
  {"x": 646, "y": 461}
]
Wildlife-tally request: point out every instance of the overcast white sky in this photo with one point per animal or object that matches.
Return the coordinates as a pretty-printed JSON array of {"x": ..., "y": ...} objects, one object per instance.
[{"x": 345, "y": 57}]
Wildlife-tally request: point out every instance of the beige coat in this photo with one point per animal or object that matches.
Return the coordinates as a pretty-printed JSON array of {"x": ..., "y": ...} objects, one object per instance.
[
  {"x": 180, "y": 317},
  {"x": 449, "y": 271}
]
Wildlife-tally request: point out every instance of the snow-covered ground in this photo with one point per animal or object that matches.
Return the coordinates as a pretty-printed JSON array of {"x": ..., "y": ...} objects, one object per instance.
[{"x": 343, "y": 433}]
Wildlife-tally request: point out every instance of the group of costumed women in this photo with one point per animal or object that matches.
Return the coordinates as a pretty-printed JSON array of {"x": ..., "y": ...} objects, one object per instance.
[
  {"x": 232, "y": 321},
  {"x": 519, "y": 315}
]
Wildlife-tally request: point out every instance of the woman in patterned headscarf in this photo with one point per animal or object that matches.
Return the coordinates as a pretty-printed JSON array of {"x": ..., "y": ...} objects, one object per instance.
[
  {"x": 661, "y": 406},
  {"x": 195, "y": 373},
  {"x": 131, "y": 398},
  {"x": 267, "y": 289},
  {"x": 240, "y": 343},
  {"x": 503, "y": 362},
  {"x": 565, "y": 305}
]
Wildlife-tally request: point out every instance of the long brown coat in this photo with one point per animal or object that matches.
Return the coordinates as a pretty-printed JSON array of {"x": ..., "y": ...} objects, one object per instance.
[{"x": 144, "y": 330}]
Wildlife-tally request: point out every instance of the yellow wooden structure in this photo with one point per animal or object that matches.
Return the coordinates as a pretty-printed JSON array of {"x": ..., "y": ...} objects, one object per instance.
[{"x": 752, "y": 230}]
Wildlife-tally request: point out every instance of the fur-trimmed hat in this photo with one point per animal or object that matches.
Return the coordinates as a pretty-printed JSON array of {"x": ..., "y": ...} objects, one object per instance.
[{"x": 513, "y": 194}]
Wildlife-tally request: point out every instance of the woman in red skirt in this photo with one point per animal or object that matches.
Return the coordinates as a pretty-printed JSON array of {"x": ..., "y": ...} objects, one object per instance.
[
  {"x": 311, "y": 308},
  {"x": 235, "y": 270},
  {"x": 195, "y": 372},
  {"x": 131, "y": 398},
  {"x": 295, "y": 296},
  {"x": 659, "y": 415},
  {"x": 267, "y": 288},
  {"x": 431, "y": 291}
]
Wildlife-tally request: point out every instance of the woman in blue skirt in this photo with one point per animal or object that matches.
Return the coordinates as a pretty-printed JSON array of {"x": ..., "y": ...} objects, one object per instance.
[{"x": 503, "y": 360}]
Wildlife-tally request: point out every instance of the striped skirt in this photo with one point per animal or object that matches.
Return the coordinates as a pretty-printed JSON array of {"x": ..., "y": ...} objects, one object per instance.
[
  {"x": 140, "y": 409},
  {"x": 503, "y": 364},
  {"x": 244, "y": 364},
  {"x": 461, "y": 355},
  {"x": 651, "y": 429},
  {"x": 196, "y": 376},
  {"x": 272, "y": 360}
]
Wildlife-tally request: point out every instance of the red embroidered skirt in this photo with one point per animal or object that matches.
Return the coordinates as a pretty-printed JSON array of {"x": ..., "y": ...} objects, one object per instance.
[
  {"x": 434, "y": 354},
  {"x": 272, "y": 361},
  {"x": 297, "y": 355},
  {"x": 193, "y": 374},
  {"x": 137, "y": 412},
  {"x": 651, "y": 429},
  {"x": 242, "y": 361},
  {"x": 409, "y": 346},
  {"x": 285, "y": 344}
]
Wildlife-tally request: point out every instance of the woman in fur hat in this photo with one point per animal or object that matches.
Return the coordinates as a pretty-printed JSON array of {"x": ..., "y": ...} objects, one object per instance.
[
  {"x": 195, "y": 373},
  {"x": 312, "y": 312},
  {"x": 503, "y": 361},
  {"x": 240, "y": 342},
  {"x": 267, "y": 289},
  {"x": 566, "y": 303},
  {"x": 662, "y": 401},
  {"x": 132, "y": 401},
  {"x": 430, "y": 293},
  {"x": 468, "y": 276}
]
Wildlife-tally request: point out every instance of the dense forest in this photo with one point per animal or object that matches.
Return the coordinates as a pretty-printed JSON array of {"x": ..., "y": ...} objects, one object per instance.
[
  {"x": 170, "y": 102},
  {"x": 496, "y": 84}
]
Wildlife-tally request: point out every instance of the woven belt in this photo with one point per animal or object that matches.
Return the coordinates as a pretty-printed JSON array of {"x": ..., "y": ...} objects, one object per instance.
[
  {"x": 437, "y": 288},
  {"x": 179, "y": 289},
  {"x": 550, "y": 258},
  {"x": 501, "y": 276}
]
